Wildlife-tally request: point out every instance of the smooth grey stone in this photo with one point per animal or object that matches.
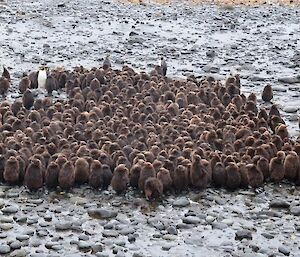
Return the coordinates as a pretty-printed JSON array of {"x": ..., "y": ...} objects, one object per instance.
[
  {"x": 18, "y": 253},
  {"x": 295, "y": 210},
  {"x": 110, "y": 233},
  {"x": 10, "y": 209},
  {"x": 172, "y": 230},
  {"x": 267, "y": 235},
  {"x": 4, "y": 249},
  {"x": 181, "y": 202},
  {"x": 290, "y": 80},
  {"x": 63, "y": 226},
  {"x": 83, "y": 245},
  {"x": 279, "y": 203},
  {"x": 284, "y": 250},
  {"x": 102, "y": 213},
  {"x": 22, "y": 237},
  {"x": 15, "y": 245},
  {"x": 191, "y": 220},
  {"x": 243, "y": 234}
]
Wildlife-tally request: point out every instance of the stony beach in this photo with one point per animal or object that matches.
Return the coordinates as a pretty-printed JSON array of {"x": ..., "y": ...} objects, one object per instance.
[{"x": 259, "y": 42}]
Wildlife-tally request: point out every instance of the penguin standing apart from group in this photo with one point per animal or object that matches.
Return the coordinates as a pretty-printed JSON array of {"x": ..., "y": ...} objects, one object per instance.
[
  {"x": 163, "y": 66},
  {"x": 42, "y": 78}
]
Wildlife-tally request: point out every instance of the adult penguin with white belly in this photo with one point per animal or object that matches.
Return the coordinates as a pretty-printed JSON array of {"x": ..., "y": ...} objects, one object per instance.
[{"x": 42, "y": 77}]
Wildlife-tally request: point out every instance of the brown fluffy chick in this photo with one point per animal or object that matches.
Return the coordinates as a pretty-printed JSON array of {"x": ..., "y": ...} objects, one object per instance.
[
  {"x": 255, "y": 176},
  {"x": 96, "y": 174},
  {"x": 134, "y": 174},
  {"x": 199, "y": 174},
  {"x": 267, "y": 94},
  {"x": 276, "y": 167},
  {"x": 146, "y": 172},
  {"x": 4, "y": 85},
  {"x": 66, "y": 176},
  {"x": 34, "y": 175},
  {"x": 291, "y": 166},
  {"x": 11, "y": 171},
  {"x": 82, "y": 170},
  {"x": 24, "y": 84},
  {"x": 233, "y": 176},
  {"x": 120, "y": 179},
  {"x": 153, "y": 188},
  {"x": 282, "y": 131},
  {"x": 180, "y": 178},
  {"x": 51, "y": 176},
  {"x": 164, "y": 176},
  {"x": 219, "y": 175}
]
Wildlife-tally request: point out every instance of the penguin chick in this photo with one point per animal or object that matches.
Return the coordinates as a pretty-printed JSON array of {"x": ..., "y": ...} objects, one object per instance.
[
  {"x": 233, "y": 176},
  {"x": 11, "y": 171},
  {"x": 180, "y": 178},
  {"x": 282, "y": 131},
  {"x": 153, "y": 188},
  {"x": 106, "y": 62},
  {"x": 120, "y": 179},
  {"x": 96, "y": 174},
  {"x": 81, "y": 171},
  {"x": 276, "y": 167},
  {"x": 28, "y": 99},
  {"x": 5, "y": 74},
  {"x": 164, "y": 176},
  {"x": 146, "y": 172},
  {"x": 134, "y": 174},
  {"x": 51, "y": 176},
  {"x": 51, "y": 84},
  {"x": 219, "y": 175},
  {"x": 34, "y": 175},
  {"x": 263, "y": 166},
  {"x": 199, "y": 174},
  {"x": 267, "y": 94},
  {"x": 24, "y": 84},
  {"x": 4, "y": 85},
  {"x": 291, "y": 166},
  {"x": 66, "y": 176},
  {"x": 255, "y": 176},
  {"x": 106, "y": 175}
]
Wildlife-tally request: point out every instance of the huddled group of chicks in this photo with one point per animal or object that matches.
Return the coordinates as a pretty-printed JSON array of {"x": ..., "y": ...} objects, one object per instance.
[{"x": 124, "y": 128}]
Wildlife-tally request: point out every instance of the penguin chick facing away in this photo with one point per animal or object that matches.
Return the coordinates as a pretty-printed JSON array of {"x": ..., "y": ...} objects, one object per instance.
[
  {"x": 277, "y": 167},
  {"x": 267, "y": 94},
  {"x": 11, "y": 171},
  {"x": 81, "y": 171},
  {"x": 95, "y": 177},
  {"x": 66, "y": 176},
  {"x": 51, "y": 177}
]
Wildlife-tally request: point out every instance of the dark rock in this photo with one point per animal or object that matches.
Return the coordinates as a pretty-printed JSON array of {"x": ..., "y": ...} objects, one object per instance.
[
  {"x": 102, "y": 214},
  {"x": 284, "y": 250},
  {"x": 191, "y": 220},
  {"x": 279, "y": 203},
  {"x": 243, "y": 234}
]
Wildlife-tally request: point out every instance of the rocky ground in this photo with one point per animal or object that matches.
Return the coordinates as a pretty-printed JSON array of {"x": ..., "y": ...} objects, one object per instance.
[{"x": 261, "y": 43}]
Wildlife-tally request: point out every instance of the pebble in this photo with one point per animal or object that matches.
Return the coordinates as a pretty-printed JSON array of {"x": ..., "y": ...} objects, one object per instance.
[
  {"x": 181, "y": 202},
  {"x": 6, "y": 226},
  {"x": 18, "y": 253},
  {"x": 22, "y": 237},
  {"x": 102, "y": 213},
  {"x": 110, "y": 233},
  {"x": 228, "y": 222},
  {"x": 172, "y": 230},
  {"x": 82, "y": 245},
  {"x": 15, "y": 245},
  {"x": 243, "y": 234},
  {"x": 210, "y": 219},
  {"x": 284, "y": 250},
  {"x": 4, "y": 249},
  {"x": 279, "y": 203},
  {"x": 289, "y": 80},
  {"x": 191, "y": 220},
  {"x": 10, "y": 209},
  {"x": 295, "y": 210},
  {"x": 290, "y": 109}
]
